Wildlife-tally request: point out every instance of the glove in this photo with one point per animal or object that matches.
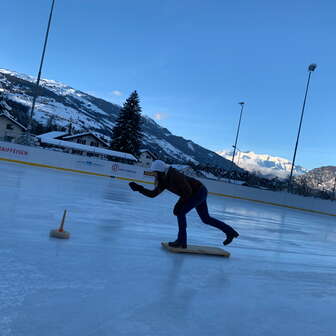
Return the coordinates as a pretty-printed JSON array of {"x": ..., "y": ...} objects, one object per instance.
[
  {"x": 135, "y": 187},
  {"x": 178, "y": 208}
]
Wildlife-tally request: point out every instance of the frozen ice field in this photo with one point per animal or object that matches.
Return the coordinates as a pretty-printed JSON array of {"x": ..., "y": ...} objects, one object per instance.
[{"x": 113, "y": 278}]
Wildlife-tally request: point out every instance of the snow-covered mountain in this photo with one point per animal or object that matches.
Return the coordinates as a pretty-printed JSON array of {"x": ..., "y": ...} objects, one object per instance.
[
  {"x": 322, "y": 178},
  {"x": 263, "y": 164},
  {"x": 63, "y": 104}
]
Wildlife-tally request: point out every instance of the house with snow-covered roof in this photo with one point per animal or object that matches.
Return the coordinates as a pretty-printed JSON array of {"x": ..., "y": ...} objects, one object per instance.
[
  {"x": 86, "y": 138},
  {"x": 10, "y": 128},
  {"x": 87, "y": 144},
  {"x": 146, "y": 158}
]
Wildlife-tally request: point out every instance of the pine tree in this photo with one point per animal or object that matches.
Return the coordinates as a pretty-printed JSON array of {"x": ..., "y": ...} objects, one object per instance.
[{"x": 127, "y": 134}]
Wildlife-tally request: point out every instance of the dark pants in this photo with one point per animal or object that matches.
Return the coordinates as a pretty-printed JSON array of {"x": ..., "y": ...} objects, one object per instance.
[{"x": 199, "y": 202}]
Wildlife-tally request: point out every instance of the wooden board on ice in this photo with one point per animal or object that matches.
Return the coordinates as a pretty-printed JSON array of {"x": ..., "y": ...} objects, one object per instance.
[{"x": 198, "y": 250}]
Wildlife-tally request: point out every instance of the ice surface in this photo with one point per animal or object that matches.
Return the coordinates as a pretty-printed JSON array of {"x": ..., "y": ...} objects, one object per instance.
[{"x": 112, "y": 277}]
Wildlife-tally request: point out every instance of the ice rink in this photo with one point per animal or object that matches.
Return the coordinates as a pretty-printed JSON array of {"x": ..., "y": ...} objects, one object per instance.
[{"x": 113, "y": 278}]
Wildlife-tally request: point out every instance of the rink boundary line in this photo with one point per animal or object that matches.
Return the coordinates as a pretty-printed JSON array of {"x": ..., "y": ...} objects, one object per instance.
[
  {"x": 132, "y": 180},
  {"x": 141, "y": 181},
  {"x": 275, "y": 204}
]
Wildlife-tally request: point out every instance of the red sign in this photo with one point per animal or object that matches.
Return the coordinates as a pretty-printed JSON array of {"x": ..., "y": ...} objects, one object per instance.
[{"x": 13, "y": 150}]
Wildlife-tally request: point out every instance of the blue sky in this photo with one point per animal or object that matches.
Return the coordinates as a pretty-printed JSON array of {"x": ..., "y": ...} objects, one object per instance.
[{"x": 192, "y": 62}]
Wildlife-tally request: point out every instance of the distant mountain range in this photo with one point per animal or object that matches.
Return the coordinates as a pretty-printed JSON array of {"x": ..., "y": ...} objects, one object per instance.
[
  {"x": 263, "y": 164},
  {"x": 322, "y": 178},
  {"x": 63, "y": 104}
]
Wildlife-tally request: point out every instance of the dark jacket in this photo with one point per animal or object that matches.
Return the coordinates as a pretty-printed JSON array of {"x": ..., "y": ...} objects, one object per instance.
[{"x": 177, "y": 183}]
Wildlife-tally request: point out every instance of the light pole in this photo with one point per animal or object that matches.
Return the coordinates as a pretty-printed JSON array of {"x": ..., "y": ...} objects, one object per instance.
[
  {"x": 235, "y": 145},
  {"x": 40, "y": 71},
  {"x": 239, "y": 151},
  {"x": 311, "y": 68}
]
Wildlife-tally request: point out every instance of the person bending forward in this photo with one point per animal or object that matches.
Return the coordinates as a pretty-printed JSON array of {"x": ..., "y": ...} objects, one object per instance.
[{"x": 193, "y": 194}]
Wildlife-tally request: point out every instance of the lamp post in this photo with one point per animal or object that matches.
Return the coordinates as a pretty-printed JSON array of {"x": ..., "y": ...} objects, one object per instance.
[
  {"x": 235, "y": 145},
  {"x": 40, "y": 71},
  {"x": 311, "y": 68},
  {"x": 239, "y": 154}
]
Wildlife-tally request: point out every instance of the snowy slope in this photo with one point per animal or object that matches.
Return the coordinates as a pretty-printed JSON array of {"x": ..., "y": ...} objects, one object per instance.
[
  {"x": 85, "y": 111},
  {"x": 323, "y": 178},
  {"x": 263, "y": 164},
  {"x": 56, "y": 99}
]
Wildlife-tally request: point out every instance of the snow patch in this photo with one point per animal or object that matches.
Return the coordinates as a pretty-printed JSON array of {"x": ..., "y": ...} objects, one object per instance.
[
  {"x": 173, "y": 151},
  {"x": 190, "y": 145}
]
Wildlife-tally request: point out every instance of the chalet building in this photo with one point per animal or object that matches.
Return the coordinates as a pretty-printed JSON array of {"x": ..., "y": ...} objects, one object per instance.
[
  {"x": 87, "y": 144},
  {"x": 146, "y": 158},
  {"x": 10, "y": 128},
  {"x": 88, "y": 139}
]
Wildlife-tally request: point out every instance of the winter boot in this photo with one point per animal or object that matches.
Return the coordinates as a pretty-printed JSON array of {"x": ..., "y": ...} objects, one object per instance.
[
  {"x": 178, "y": 244},
  {"x": 230, "y": 236}
]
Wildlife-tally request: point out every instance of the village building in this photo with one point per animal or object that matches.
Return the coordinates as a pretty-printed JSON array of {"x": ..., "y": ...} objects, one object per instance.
[
  {"x": 86, "y": 144},
  {"x": 87, "y": 138},
  {"x": 10, "y": 128}
]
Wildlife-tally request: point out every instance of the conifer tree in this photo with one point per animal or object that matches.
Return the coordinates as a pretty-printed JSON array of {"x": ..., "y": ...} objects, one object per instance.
[{"x": 126, "y": 134}]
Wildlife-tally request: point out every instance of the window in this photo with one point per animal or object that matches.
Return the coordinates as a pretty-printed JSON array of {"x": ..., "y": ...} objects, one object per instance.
[
  {"x": 81, "y": 141},
  {"x": 9, "y": 127},
  {"x": 94, "y": 144}
]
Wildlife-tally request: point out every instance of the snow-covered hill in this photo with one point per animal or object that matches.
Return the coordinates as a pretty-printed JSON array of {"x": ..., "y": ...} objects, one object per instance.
[
  {"x": 64, "y": 104},
  {"x": 263, "y": 164},
  {"x": 323, "y": 178}
]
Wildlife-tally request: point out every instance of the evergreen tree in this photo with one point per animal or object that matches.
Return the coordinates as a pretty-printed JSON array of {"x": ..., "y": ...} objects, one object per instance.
[{"x": 127, "y": 134}]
